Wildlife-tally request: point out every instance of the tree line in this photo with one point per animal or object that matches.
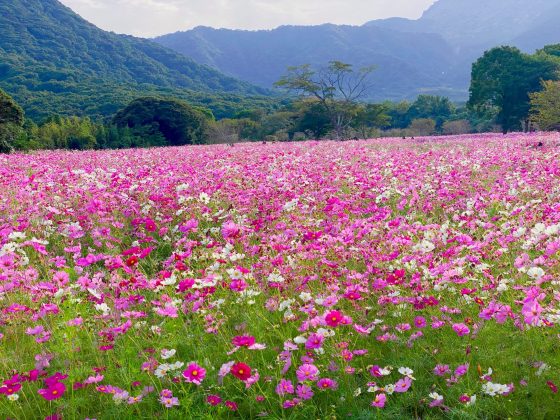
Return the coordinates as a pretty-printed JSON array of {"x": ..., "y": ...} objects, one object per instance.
[{"x": 509, "y": 91}]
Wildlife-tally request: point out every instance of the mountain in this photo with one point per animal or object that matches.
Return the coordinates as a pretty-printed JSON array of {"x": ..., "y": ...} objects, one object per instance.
[
  {"x": 403, "y": 68},
  {"x": 545, "y": 31},
  {"x": 432, "y": 54},
  {"x": 482, "y": 23},
  {"x": 52, "y": 59}
]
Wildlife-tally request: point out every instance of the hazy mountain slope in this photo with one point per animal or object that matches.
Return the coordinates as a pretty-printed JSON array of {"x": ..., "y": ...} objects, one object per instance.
[
  {"x": 482, "y": 23},
  {"x": 432, "y": 54},
  {"x": 546, "y": 30},
  {"x": 403, "y": 68},
  {"x": 48, "y": 52}
]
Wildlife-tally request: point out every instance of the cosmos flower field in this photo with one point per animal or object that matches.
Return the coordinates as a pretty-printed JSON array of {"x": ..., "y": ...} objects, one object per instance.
[{"x": 370, "y": 279}]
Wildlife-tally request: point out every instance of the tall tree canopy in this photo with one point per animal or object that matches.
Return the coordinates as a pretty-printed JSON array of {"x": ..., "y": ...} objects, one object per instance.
[
  {"x": 11, "y": 120},
  {"x": 438, "y": 108},
  {"x": 161, "y": 122},
  {"x": 503, "y": 78},
  {"x": 545, "y": 106}
]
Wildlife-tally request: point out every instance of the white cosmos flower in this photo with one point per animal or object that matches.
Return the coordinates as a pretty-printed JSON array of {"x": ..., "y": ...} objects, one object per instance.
[{"x": 167, "y": 354}]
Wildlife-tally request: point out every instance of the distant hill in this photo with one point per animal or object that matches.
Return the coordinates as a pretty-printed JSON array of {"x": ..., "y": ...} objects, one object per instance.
[
  {"x": 546, "y": 30},
  {"x": 404, "y": 68},
  {"x": 480, "y": 23},
  {"x": 432, "y": 54},
  {"x": 53, "y": 60}
]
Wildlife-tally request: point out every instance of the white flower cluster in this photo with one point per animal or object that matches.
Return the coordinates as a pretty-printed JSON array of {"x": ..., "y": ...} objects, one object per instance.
[{"x": 493, "y": 389}]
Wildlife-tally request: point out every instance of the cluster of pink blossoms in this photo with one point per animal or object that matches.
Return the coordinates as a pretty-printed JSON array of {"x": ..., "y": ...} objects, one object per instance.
[{"x": 265, "y": 278}]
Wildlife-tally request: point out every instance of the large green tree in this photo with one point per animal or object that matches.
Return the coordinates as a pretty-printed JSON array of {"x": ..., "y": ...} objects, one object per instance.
[
  {"x": 163, "y": 121},
  {"x": 371, "y": 117},
  {"x": 438, "y": 108},
  {"x": 312, "y": 118},
  {"x": 545, "y": 106},
  {"x": 11, "y": 121},
  {"x": 503, "y": 78}
]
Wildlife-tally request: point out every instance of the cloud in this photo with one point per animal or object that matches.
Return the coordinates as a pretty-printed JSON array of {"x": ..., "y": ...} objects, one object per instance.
[{"x": 156, "y": 17}]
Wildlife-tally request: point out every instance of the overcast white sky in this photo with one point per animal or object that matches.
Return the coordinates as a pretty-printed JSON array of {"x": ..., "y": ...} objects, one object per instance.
[{"x": 157, "y": 17}]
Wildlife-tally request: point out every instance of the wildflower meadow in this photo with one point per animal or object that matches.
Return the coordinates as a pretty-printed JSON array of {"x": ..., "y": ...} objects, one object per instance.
[{"x": 389, "y": 278}]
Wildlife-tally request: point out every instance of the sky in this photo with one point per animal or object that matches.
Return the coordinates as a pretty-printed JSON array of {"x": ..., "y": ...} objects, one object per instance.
[{"x": 148, "y": 18}]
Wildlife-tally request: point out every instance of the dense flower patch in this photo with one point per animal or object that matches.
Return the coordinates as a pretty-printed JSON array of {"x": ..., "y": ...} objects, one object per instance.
[{"x": 395, "y": 278}]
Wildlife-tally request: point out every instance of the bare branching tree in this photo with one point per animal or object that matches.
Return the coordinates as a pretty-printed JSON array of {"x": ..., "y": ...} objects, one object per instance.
[{"x": 337, "y": 87}]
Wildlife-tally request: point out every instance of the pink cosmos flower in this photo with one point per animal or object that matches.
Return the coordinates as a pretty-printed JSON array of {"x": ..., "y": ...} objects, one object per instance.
[
  {"x": 35, "y": 330},
  {"x": 376, "y": 371},
  {"x": 441, "y": 370},
  {"x": 403, "y": 384},
  {"x": 93, "y": 379},
  {"x": 419, "y": 322},
  {"x": 169, "y": 311},
  {"x": 461, "y": 370},
  {"x": 464, "y": 398},
  {"x": 532, "y": 311},
  {"x": 75, "y": 322},
  {"x": 167, "y": 393},
  {"x": 194, "y": 373},
  {"x": 134, "y": 400},
  {"x": 314, "y": 341},
  {"x": 290, "y": 403},
  {"x": 238, "y": 285},
  {"x": 461, "y": 329},
  {"x": 379, "y": 401},
  {"x": 327, "y": 383},
  {"x": 304, "y": 392},
  {"x": 53, "y": 379},
  {"x": 9, "y": 389},
  {"x": 307, "y": 372},
  {"x": 169, "y": 402},
  {"x": 284, "y": 387},
  {"x": 232, "y": 405},
  {"x": 230, "y": 230}
]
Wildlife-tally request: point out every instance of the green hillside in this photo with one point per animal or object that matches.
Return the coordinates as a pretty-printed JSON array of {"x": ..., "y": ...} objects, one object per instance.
[{"x": 53, "y": 61}]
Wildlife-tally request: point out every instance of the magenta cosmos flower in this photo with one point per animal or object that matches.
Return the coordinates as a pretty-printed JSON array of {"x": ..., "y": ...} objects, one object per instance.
[
  {"x": 461, "y": 329},
  {"x": 241, "y": 371},
  {"x": 213, "y": 399},
  {"x": 334, "y": 318},
  {"x": 194, "y": 374},
  {"x": 327, "y": 383},
  {"x": 243, "y": 341},
  {"x": 53, "y": 391},
  {"x": 314, "y": 341}
]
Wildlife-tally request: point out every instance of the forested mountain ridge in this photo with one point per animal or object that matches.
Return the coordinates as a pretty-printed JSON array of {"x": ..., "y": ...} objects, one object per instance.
[
  {"x": 432, "y": 54},
  {"x": 51, "y": 57},
  {"x": 403, "y": 68}
]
